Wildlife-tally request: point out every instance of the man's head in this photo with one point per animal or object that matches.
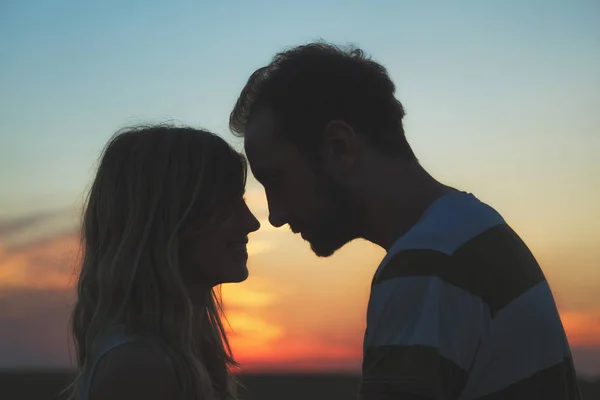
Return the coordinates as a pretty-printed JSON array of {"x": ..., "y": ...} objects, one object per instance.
[{"x": 311, "y": 120}]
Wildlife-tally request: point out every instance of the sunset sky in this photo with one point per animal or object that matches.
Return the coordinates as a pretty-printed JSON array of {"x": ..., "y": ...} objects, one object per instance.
[{"x": 502, "y": 100}]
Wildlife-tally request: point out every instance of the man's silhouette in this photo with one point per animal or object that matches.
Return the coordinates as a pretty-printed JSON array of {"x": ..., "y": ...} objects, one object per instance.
[{"x": 459, "y": 308}]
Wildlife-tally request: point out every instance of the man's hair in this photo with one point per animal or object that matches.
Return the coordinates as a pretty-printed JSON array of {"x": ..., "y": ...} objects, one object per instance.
[{"x": 308, "y": 86}]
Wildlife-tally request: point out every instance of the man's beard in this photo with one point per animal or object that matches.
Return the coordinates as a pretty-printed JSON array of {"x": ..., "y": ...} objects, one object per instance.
[{"x": 338, "y": 220}]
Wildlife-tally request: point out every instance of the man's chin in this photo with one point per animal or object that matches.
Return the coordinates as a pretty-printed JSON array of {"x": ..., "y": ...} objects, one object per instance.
[
  {"x": 325, "y": 242},
  {"x": 324, "y": 250}
]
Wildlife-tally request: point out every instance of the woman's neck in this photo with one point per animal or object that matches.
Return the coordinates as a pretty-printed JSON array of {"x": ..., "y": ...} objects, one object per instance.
[{"x": 199, "y": 295}]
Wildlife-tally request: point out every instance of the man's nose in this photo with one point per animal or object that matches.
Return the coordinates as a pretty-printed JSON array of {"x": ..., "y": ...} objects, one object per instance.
[{"x": 277, "y": 215}]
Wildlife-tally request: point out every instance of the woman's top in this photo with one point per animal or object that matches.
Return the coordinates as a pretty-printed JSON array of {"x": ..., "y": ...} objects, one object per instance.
[{"x": 111, "y": 338}]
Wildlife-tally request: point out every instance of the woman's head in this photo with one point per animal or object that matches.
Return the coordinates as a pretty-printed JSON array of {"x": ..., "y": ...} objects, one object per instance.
[{"x": 165, "y": 218}]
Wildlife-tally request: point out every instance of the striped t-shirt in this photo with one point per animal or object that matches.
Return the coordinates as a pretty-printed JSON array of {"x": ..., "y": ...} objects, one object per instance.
[{"x": 460, "y": 309}]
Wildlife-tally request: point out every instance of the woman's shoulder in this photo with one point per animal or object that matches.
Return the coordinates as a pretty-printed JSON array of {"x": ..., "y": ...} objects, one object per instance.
[{"x": 137, "y": 369}]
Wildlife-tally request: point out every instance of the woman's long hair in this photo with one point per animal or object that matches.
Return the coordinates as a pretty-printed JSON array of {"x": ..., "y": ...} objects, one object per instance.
[{"x": 153, "y": 185}]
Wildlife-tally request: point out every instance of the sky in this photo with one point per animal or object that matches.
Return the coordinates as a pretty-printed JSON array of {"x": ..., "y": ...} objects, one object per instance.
[{"x": 502, "y": 100}]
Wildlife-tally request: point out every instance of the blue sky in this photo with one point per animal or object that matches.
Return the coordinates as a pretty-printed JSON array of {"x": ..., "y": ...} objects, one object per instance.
[{"x": 506, "y": 78}]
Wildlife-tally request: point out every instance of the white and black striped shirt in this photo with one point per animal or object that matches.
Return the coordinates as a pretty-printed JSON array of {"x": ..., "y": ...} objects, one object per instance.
[{"x": 460, "y": 309}]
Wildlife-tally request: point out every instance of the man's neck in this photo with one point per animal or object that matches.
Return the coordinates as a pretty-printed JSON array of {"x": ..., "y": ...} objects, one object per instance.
[{"x": 397, "y": 200}]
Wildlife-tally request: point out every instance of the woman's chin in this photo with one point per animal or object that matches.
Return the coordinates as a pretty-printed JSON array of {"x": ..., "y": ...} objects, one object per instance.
[
  {"x": 243, "y": 276},
  {"x": 237, "y": 275}
]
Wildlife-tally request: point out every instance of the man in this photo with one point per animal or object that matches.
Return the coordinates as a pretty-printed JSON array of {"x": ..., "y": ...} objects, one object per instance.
[{"x": 459, "y": 308}]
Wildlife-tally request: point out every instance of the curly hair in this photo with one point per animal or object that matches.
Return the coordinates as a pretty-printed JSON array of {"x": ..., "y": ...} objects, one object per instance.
[{"x": 308, "y": 86}]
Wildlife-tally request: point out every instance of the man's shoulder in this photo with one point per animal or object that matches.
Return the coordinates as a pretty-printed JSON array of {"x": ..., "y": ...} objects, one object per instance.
[
  {"x": 450, "y": 222},
  {"x": 468, "y": 245}
]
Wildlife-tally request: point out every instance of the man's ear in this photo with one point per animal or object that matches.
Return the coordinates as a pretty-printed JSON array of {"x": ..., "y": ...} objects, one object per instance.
[{"x": 341, "y": 147}]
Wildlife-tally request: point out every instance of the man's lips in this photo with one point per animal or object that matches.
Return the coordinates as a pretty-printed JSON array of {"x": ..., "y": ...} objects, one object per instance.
[{"x": 304, "y": 233}]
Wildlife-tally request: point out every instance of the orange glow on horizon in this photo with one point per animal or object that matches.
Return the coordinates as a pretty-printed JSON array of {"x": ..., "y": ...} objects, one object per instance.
[
  {"x": 46, "y": 264},
  {"x": 276, "y": 324},
  {"x": 582, "y": 327}
]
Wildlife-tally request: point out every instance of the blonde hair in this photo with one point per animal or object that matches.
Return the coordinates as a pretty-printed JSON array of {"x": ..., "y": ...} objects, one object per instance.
[{"x": 153, "y": 184}]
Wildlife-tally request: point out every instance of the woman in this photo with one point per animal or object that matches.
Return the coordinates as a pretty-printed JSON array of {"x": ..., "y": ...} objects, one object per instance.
[{"x": 165, "y": 222}]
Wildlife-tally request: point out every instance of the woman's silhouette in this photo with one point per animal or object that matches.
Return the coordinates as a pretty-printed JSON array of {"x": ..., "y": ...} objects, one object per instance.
[{"x": 164, "y": 224}]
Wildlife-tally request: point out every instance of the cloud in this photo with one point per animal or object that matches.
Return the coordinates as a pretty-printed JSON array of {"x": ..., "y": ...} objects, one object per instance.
[
  {"x": 35, "y": 227},
  {"x": 278, "y": 326},
  {"x": 14, "y": 225},
  {"x": 247, "y": 307},
  {"x": 247, "y": 332},
  {"x": 255, "y": 292},
  {"x": 271, "y": 328},
  {"x": 44, "y": 264}
]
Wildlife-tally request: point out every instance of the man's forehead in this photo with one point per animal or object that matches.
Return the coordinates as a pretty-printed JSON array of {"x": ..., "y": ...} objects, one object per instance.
[
  {"x": 260, "y": 129},
  {"x": 261, "y": 139}
]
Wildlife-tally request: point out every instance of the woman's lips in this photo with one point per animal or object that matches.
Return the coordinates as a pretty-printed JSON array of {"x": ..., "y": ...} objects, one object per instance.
[{"x": 241, "y": 247}]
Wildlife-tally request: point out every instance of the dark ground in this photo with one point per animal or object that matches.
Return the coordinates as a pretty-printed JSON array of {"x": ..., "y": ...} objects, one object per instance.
[{"x": 45, "y": 385}]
